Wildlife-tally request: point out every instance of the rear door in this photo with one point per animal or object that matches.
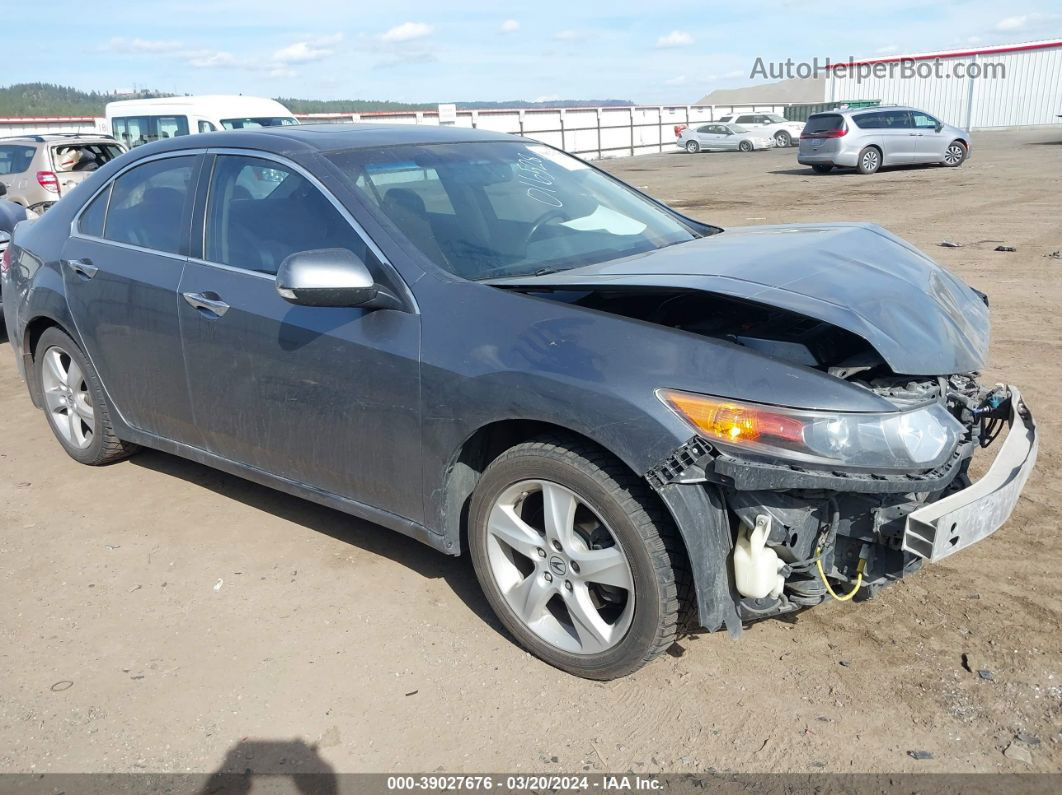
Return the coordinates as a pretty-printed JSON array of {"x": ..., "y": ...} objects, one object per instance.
[
  {"x": 324, "y": 396},
  {"x": 122, "y": 266},
  {"x": 899, "y": 139}
]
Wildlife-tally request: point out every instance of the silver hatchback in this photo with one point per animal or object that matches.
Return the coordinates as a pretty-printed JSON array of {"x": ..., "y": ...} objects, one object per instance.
[{"x": 869, "y": 138}]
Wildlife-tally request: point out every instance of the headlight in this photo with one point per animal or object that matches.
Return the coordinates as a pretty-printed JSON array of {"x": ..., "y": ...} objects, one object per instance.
[{"x": 920, "y": 438}]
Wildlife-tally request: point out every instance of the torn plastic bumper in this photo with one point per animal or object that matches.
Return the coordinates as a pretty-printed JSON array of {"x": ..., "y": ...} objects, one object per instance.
[{"x": 955, "y": 522}]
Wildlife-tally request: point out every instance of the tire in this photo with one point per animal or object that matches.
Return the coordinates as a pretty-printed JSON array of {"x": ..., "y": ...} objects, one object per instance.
[
  {"x": 693, "y": 147},
  {"x": 74, "y": 402},
  {"x": 745, "y": 146},
  {"x": 869, "y": 160},
  {"x": 955, "y": 154},
  {"x": 822, "y": 168},
  {"x": 616, "y": 527},
  {"x": 783, "y": 138}
]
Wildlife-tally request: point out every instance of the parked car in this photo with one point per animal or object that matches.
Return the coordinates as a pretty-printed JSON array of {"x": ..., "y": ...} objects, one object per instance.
[
  {"x": 887, "y": 136},
  {"x": 720, "y": 137},
  {"x": 38, "y": 170},
  {"x": 634, "y": 422},
  {"x": 784, "y": 132},
  {"x": 10, "y": 215},
  {"x": 139, "y": 121}
]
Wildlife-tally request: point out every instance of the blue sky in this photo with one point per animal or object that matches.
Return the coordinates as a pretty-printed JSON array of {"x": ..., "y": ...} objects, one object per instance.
[{"x": 671, "y": 52}]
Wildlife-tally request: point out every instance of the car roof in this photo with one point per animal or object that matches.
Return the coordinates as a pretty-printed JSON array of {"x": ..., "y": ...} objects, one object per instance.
[
  {"x": 306, "y": 138},
  {"x": 40, "y": 138},
  {"x": 869, "y": 108}
]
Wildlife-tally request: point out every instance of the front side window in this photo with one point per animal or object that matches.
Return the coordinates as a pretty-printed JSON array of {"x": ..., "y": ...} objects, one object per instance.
[
  {"x": 774, "y": 118},
  {"x": 924, "y": 121},
  {"x": 15, "y": 159},
  {"x": 251, "y": 122},
  {"x": 147, "y": 204},
  {"x": 493, "y": 209},
  {"x": 260, "y": 212},
  {"x": 205, "y": 127}
]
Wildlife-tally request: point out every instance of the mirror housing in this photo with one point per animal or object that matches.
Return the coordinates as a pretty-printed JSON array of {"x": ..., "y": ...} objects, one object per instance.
[
  {"x": 331, "y": 277},
  {"x": 3, "y": 188},
  {"x": 5, "y": 238},
  {"x": 940, "y": 126}
]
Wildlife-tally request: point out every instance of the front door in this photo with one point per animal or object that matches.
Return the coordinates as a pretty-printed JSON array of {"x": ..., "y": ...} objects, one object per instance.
[
  {"x": 122, "y": 267},
  {"x": 930, "y": 143},
  {"x": 324, "y": 396}
]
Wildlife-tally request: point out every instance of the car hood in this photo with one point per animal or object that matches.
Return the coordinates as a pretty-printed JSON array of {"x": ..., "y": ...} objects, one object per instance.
[{"x": 920, "y": 319}]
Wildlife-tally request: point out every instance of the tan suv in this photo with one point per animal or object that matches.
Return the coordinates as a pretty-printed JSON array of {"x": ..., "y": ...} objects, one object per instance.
[{"x": 38, "y": 170}]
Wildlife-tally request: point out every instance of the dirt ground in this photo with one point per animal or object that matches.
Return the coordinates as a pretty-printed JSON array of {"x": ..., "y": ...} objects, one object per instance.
[{"x": 161, "y": 616}]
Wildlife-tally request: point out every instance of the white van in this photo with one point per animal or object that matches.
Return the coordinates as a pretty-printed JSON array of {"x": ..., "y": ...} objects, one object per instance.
[{"x": 139, "y": 121}]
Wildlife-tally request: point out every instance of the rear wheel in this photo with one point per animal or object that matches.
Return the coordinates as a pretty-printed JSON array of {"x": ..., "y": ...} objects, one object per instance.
[
  {"x": 822, "y": 168},
  {"x": 869, "y": 160},
  {"x": 745, "y": 146},
  {"x": 955, "y": 154},
  {"x": 782, "y": 138},
  {"x": 74, "y": 402},
  {"x": 577, "y": 558},
  {"x": 693, "y": 147}
]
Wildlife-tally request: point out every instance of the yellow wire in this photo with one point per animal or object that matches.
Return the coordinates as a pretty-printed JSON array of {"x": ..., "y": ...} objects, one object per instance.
[{"x": 822, "y": 576}]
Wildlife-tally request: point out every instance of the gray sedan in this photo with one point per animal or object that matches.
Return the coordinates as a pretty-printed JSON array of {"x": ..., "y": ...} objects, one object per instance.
[
  {"x": 635, "y": 423},
  {"x": 721, "y": 137}
]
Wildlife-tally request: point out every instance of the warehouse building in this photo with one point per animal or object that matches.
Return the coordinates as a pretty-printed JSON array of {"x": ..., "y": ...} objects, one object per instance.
[{"x": 1002, "y": 86}]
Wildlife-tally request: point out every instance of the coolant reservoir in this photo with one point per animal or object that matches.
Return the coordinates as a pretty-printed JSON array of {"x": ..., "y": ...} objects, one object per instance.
[{"x": 755, "y": 566}]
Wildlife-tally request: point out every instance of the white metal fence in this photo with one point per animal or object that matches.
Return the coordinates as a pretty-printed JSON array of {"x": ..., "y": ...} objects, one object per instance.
[
  {"x": 29, "y": 125},
  {"x": 590, "y": 133}
]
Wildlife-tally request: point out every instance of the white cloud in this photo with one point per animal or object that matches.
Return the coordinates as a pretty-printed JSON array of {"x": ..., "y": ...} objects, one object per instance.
[
  {"x": 676, "y": 38},
  {"x": 1024, "y": 22},
  {"x": 142, "y": 46},
  {"x": 509, "y": 26},
  {"x": 887, "y": 49},
  {"x": 407, "y": 31},
  {"x": 210, "y": 59},
  {"x": 308, "y": 50}
]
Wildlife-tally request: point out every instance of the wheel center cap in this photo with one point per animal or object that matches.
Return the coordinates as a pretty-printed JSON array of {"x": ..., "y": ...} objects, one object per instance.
[{"x": 558, "y": 566}]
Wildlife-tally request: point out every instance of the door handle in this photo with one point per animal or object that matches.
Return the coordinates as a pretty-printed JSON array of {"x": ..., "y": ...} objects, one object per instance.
[
  {"x": 82, "y": 267},
  {"x": 214, "y": 306}
]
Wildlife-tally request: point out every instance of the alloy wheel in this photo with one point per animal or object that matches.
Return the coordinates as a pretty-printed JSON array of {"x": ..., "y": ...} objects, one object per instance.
[
  {"x": 68, "y": 398},
  {"x": 953, "y": 154},
  {"x": 870, "y": 160},
  {"x": 559, "y": 567}
]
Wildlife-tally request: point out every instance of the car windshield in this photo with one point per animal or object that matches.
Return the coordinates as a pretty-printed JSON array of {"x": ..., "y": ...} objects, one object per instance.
[
  {"x": 774, "y": 118},
  {"x": 495, "y": 209},
  {"x": 257, "y": 121}
]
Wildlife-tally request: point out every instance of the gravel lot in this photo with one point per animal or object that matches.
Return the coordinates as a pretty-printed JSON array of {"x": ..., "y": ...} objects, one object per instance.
[{"x": 161, "y": 616}]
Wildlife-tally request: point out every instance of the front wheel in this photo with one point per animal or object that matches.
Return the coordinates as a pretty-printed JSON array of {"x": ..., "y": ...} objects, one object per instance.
[
  {"x": 782, "y": 138},
  {"x": 577, "y": 558},
  {"x": 74, "y": 401},
  {"x": 745, "y": 146},
  {"x": 693, "y": 147},
  {"x": 955, "y": 154}
]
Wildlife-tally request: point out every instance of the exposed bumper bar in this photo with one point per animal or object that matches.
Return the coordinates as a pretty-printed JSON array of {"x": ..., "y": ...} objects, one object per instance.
[{"x": 965, "y": 517}]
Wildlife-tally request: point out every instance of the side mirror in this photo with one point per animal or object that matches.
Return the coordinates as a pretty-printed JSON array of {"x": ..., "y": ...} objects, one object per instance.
[
  {"x": 939, "y": 126},
  {"x": 5, "y": 238},
  {"x": 331, "y": 277},
  {"x": 3, "y": 188}
]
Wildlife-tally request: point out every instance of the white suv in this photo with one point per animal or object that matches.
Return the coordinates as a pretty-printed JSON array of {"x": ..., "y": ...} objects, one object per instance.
[{"x": 784, "y": 132}]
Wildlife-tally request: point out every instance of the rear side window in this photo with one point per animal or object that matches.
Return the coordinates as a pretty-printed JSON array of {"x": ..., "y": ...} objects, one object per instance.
[
  {"x": 15, "y": 159},
  {"x": 260, "y": 212},
  {"x": 147, "y": 204},
  {"x": 868, "y": 121},
  {"x": 895, "y": 120},
  {"x": 748, "y": 119},
  {"x": 91, "y": 220},
  {"x": 824, "y": 122}
]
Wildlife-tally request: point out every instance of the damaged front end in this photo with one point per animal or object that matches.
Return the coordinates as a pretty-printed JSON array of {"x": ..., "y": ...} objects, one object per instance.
[
  {"x": 805, "y": 532},
  {"x": 782, "y": 500}
]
